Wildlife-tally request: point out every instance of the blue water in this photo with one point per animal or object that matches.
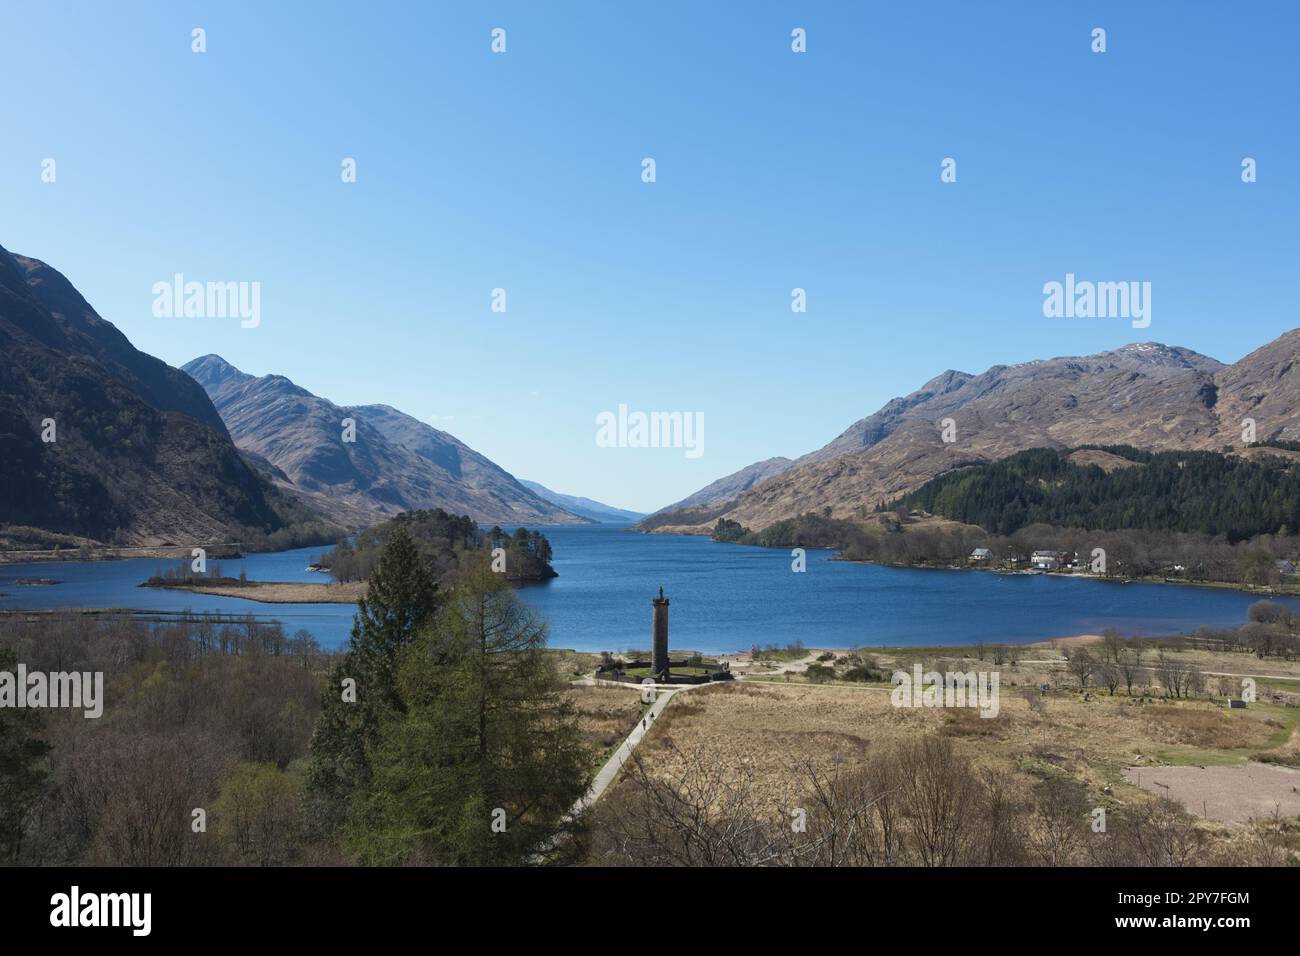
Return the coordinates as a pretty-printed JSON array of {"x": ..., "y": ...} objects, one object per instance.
[
  {"x": 113, "y": 584},
  {"x": 723, "y": 597}
]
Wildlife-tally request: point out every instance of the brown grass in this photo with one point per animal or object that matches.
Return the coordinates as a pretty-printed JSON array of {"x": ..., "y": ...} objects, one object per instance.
[
  {"x": 605, "y": 715},
  {"x": 775, "y": 730},
  {"x": 1204, "y": 726}
]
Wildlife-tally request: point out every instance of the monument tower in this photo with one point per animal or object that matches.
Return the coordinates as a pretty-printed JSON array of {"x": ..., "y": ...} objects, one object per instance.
[{"x": 659, "y": 653}]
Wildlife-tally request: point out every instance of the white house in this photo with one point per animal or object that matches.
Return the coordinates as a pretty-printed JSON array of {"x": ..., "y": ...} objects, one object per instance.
[
  {"x": 1045, "y": 560},
  {"x": 981, "y": 554}
]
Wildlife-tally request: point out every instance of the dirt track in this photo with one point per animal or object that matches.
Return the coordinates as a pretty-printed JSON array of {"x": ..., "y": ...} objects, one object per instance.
[{"x": 1231, "y": 794}]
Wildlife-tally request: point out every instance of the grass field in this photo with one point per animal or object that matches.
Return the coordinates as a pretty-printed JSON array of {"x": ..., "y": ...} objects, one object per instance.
[
  {"x": 605, "y": 716},
  {"x": 773, "y": 727}
]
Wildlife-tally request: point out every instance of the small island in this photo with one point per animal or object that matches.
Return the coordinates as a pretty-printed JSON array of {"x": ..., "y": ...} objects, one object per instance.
[
  {"x": 448, "y": 542},
  {"x": 269, "y": 592}
]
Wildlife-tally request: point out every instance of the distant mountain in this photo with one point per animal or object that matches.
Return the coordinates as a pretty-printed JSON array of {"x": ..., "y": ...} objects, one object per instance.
[
  {"x": 731, "y": 485},
  {"x": 396, "y": 463},
  {"x": 1150, "y": 396},
  {"x": 139, "y": 456},
  {"x": 585, "y": 507}
]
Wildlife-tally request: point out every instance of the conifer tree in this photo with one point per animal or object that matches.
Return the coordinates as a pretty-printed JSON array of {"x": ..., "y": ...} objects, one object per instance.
[
  {"x": 401, "y": 598},
  {"x": 484, "y": 760}
]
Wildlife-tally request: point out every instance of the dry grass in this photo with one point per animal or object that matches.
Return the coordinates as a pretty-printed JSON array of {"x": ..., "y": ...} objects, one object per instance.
[
  {"x": 605, "y": 715},
  {"x": 1207, "y": 727},
  {"x": 775, "y": 730}
]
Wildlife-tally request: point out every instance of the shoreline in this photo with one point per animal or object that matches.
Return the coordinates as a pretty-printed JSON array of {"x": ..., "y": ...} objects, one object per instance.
[
  {"x": 276, "y": 592},
  {"x": 1262, "y": 590},
  {"x": 1036, "y": 643},
  {"x": 226, "y": 552}
]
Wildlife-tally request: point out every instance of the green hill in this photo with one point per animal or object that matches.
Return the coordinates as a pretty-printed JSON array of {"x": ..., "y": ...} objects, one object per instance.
[{"x": 1194, "y": 491}]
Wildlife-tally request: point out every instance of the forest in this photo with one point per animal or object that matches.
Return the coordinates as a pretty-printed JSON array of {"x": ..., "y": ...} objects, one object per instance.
[
  {"x": 448, "y": 542},
  {"x": 1190, "y": 491}
]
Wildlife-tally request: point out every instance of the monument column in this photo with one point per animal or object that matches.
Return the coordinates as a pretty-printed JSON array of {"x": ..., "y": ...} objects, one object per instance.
[{"x": 659, "y": 654}]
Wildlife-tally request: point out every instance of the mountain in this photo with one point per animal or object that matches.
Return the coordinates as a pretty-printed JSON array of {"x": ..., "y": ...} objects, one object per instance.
[
  {"x": 585, "y": 507},
  {"x": 731, "y": 485},
  {"x": 139, "y": 455},
  {"x": 1151, "y": 396},
  {"x": 396, "y": 463}
]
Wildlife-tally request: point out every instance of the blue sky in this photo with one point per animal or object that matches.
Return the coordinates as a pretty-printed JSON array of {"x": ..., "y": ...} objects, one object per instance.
[{"x": 775, "y": 170}]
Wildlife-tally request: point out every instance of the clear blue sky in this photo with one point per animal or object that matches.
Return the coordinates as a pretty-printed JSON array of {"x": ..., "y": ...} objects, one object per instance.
[{"x": 775, "y": 170}]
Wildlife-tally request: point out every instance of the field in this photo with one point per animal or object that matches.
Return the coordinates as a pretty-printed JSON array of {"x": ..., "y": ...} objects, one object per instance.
[
  {"x": 1225, "y": 765},
  {"x": 605, "y": 716}
]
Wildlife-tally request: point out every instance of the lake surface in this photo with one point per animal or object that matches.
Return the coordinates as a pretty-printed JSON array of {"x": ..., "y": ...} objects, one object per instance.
[{"x": 724, "y": 597}]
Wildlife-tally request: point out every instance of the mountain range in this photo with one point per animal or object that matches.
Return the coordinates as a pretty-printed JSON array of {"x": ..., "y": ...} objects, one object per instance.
[
  {"x": 392, "y": 463},
  {"x": 585, "y": 507},
  {"x": 101, "y": 443},
  {"x": 1150, "y": 396}
]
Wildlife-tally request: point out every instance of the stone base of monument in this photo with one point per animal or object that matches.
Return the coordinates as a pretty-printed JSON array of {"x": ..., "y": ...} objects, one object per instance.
[{"x": 684, "y": 671}]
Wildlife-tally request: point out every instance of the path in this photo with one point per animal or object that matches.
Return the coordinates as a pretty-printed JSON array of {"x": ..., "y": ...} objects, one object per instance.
[{"x": 607, "y": 774}]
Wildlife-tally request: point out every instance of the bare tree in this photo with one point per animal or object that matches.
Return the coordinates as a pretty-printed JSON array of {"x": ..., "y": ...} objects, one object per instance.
[
  {"x": 1082, "y": 665},
  {"x": 1112, "y": 645},
  {"x": 1130, "y": 667},
  {"x": 1179, "y": 679},
  {"x": 1059, "y": 822},
  {"x": 939, "y": 791}
]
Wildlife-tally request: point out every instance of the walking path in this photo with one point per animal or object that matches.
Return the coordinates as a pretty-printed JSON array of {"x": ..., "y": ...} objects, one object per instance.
[{"x": 663, "y": 694}]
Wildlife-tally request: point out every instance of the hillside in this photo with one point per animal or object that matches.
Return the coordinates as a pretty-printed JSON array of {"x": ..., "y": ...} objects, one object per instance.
[
  {"x": 729, "y": 486},
  {"x": 397, "y": 463},
  {"x": 584, "y": 507},
  {"x": 139, "y": 456},
  {"x": 1196, "y": 491},
  {"x": 1150, "y": 396}
]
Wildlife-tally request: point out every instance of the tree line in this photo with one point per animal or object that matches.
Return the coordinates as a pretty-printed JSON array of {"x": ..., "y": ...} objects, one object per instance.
[
  {"x": 1189, "y": 491},
  {"x": 901, "y": 540},
  {"x": 448, "y": 543},
  {"x": 438, "y": 736}
]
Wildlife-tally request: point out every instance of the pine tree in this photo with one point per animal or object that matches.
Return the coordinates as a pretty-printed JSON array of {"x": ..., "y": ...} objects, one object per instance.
[
  {"x": 483, "y": 737},
  {"x": 401, "y": 598}
]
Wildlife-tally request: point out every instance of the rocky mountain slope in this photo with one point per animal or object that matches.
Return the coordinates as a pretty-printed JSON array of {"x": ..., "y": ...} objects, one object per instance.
[
  {"x": 139, "y": 455},
  {"x": 1147, "y": 395},
  {"x": 396, "y": 463},
  {"x": 729, "y": 486}
]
